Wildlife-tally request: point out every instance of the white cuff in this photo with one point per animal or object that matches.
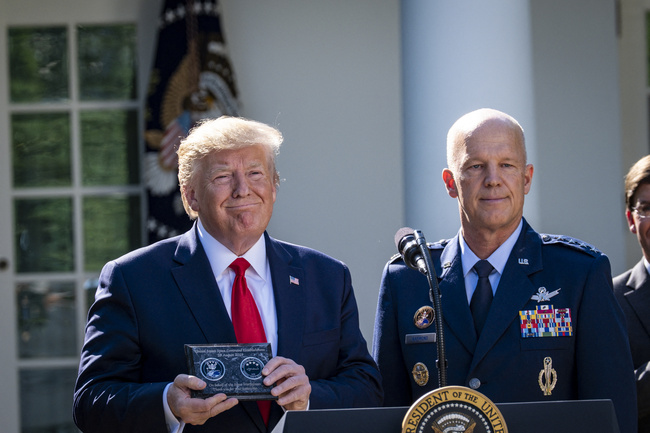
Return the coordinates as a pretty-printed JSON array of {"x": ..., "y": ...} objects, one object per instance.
[{"x": 173, "y": 424}]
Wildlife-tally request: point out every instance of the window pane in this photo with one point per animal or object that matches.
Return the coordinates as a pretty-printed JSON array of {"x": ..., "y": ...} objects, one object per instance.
[
  {"x": 46, "y": 400},
  {"x": 111, "y": 228},
  {"x": 41, "y": 150},
  {"x": 43, "y": 230},
  {"x": 107, "y": 66},
  {"x": 109, "y": 141},
  {"x": 46, "y": 319},
  {"x": 38, "y": 64}
]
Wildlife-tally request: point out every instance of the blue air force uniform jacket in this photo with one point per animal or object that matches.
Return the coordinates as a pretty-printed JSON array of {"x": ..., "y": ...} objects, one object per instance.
[{"x": 550, "y": 284}]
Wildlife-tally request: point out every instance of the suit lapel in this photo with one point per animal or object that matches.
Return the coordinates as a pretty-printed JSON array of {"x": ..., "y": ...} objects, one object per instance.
[
  {"x": 639, "y": 297},
  {"x": 197, "y": 283},
  {"x": 289, "y": 283},
  {"x": 455, "y": 307}
]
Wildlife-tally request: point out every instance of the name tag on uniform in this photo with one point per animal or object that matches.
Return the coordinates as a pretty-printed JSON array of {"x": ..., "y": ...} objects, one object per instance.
[{"x": 421, "y": 338}]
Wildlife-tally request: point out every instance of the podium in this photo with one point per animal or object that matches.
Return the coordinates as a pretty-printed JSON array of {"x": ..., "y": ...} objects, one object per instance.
[{"x": 593, "y": 416}]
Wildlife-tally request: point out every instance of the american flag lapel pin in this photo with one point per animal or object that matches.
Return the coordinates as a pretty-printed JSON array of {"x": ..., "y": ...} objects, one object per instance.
[{"x": 294, "y": 280}]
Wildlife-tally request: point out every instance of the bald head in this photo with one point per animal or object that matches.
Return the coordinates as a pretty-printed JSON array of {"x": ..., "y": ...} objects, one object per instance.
[
  {"x": 489, "y": 176},
  {"x": 484, "y": 120}
]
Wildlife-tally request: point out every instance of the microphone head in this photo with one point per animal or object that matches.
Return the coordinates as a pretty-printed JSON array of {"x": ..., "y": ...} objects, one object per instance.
[{"x": 401, "y": 233}]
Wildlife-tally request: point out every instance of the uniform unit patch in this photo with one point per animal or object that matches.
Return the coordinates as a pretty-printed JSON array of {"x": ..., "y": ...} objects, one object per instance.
[{"x": 546, "y": 321}]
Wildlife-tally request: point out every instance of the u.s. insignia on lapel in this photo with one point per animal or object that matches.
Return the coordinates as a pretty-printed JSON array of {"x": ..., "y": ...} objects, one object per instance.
[
  {"x": 420, "y": 374},
  {"x": 294, "y": 280},
  {"x": 547, "y": 378}
]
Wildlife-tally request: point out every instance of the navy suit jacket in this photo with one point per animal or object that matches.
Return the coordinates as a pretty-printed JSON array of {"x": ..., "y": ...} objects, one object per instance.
[
  {"x": 594, "y": 362},
  {"x": 632, "y": 290},
  {"x": 153, "y": 301}
]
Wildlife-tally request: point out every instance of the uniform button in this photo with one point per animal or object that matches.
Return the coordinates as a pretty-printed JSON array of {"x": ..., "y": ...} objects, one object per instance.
[{"x": 474, "y": 383}]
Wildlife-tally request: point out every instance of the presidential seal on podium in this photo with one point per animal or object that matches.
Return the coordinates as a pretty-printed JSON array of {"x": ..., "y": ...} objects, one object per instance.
[{"x": 453, "y": 409}]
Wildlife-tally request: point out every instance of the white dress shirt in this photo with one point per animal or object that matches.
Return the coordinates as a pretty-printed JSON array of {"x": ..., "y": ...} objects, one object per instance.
[
  {"x": 498, "y": 261},
  {"x": 258, "y": 279}
]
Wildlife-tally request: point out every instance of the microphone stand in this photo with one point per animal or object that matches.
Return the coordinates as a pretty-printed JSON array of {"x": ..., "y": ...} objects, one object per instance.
[{"x": 434, "y": 295}]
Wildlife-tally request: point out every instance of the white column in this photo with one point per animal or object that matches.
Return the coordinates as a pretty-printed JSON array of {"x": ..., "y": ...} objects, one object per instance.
[{"x": 458, "y": 56}]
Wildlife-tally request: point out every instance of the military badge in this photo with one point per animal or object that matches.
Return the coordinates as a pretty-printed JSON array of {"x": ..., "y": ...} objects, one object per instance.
[
  {"x": 546, "y": 321},
  {"x": 543, "y": 295},
  {"x": 420, "y": 374},
  {"x": 547, "y": 378},
  {"x": 423, "y": 318}
]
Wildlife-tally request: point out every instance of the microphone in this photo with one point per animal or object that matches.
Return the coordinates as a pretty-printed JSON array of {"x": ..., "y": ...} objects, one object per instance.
[
  {"x": 408, "y": 243},
  {"x": 413, "y": 247}
]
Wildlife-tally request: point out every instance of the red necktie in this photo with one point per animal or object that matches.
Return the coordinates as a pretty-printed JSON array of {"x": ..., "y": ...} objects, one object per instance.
[{"x": 246, "y": 318}]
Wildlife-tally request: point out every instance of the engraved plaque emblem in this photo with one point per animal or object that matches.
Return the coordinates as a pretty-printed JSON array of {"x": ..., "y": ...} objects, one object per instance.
[
  {"x": 212, "y": 369},
  {"x": 232, "y": 369}
]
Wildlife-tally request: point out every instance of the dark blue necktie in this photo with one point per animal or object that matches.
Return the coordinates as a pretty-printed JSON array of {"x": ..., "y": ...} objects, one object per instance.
[{"x": 482, "y": 297}]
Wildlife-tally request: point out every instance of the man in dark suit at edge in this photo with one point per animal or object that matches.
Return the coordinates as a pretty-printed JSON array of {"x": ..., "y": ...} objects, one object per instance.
[
  {"x": 152, "y": 301},
  {"x": 632, "y": 288},
  {"x": 527, "y": 316}
]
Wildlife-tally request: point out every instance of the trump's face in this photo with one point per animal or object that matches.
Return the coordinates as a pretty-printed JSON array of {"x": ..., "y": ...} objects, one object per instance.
[{"x": 233, "y": 192}]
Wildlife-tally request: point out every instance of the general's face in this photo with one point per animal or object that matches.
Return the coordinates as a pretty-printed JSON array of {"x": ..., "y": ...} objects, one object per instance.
[
  {"x": 490, "y": 180},
  {"x": 233, "y": 192},
  {"x": 641, "y": 226}
]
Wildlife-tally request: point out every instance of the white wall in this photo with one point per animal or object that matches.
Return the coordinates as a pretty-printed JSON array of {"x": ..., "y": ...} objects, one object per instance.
[
  {"x": 577, "y": 107},
  {"x": 326, "y": 73}
]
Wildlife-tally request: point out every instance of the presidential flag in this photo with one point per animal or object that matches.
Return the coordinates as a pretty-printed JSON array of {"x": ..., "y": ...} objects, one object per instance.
[{"x": 191, "y": 79}]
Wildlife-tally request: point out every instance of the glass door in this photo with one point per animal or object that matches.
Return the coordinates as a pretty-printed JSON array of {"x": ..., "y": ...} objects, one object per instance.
[{"x": 70, "y": 192}]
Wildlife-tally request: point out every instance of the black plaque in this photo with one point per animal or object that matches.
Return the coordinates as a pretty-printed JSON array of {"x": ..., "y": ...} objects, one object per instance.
[{"x": 232, "y": 369}]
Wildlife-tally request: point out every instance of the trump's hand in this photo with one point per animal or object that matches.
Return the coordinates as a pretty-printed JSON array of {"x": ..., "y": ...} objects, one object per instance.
[
  {"x": 195, "y": 410},
  {"x": 291, "y": 383}
]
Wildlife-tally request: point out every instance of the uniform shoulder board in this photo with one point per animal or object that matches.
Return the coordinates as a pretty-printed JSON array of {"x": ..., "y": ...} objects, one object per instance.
[
  {"x": 431, "y": 245},
  {"x": 394, "y": 258},
  {"x": 442, "y": 243},
  {"x": 570, "y": 242}
]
